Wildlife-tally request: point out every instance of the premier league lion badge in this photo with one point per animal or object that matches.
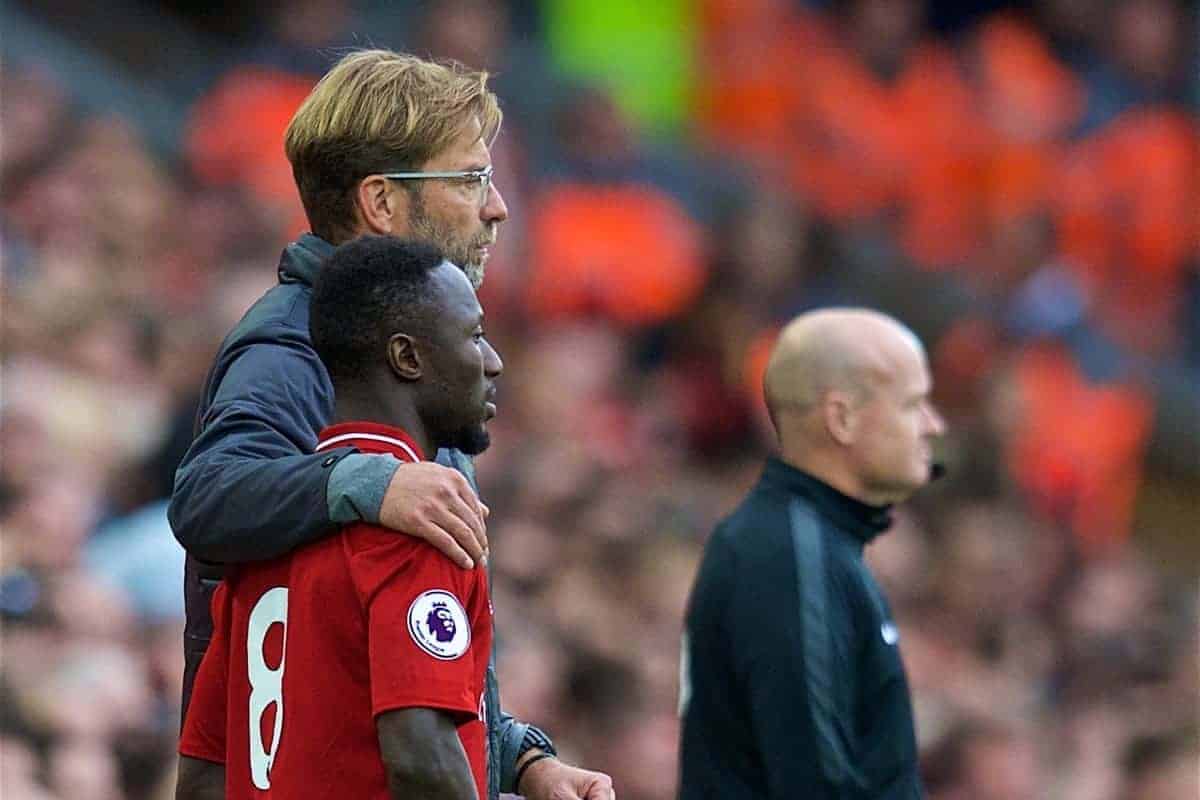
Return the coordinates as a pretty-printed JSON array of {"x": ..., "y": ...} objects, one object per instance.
[{"x": 438, "y": 624}]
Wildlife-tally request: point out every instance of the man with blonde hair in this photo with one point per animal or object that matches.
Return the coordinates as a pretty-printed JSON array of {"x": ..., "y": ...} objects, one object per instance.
[
  {"x": 385, "y": 144},
  {"x": 792, "y": 682},
  {"x": 391, "y": 144}
]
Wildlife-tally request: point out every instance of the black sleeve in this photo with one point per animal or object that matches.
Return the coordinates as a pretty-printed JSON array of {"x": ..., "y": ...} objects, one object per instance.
[
  {"x": 792, "y": 639},
  {"x": 249, "y": 487}
]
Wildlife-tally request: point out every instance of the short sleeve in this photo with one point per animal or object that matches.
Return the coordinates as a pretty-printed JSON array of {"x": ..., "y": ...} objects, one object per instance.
[
  {"x": 204, "y": 726},
  {"x": 422, "y": 613}
]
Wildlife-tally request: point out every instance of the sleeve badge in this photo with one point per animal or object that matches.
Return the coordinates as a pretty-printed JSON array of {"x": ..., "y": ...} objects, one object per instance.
[{"x": 438, "y": 624}]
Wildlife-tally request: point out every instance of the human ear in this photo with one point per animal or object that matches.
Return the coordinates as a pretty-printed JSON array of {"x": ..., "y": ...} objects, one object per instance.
[
  {"x": 403, "y": 357},
  {"x": 841, "y": 419},
  {"x": 379, "y": 205}
]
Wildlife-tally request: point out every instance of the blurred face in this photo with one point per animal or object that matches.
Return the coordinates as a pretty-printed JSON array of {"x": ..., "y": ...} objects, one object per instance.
[
  {"x": 457, "y": 215},
  {"x": 470, "y": 31},
  {"x": 895, "y": 428},
  {"x": 1176, "y": 778},
  {"x": 1003, "y": 768},
  {"x": 460, "y": 368},
  {"x": 886, "y": 29},
  {"x": 1147, "y": 38}
]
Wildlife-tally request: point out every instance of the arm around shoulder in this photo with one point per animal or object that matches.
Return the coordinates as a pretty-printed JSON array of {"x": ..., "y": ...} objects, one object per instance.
[{"x": 250, "y": 487}]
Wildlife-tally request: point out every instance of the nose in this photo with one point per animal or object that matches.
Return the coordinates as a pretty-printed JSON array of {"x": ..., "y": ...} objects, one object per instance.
[
  {"x": 492, "y": 365},
  {"x": 494, "y": 209},
  {"x": 935, "y": 421}
]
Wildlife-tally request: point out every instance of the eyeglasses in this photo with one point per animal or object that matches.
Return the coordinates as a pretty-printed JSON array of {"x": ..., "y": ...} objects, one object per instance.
[{"x": 481, "y": 179}]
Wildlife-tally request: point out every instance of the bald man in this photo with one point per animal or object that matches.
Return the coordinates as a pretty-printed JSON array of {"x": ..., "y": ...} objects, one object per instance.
[{"x": 791, "y": 679}]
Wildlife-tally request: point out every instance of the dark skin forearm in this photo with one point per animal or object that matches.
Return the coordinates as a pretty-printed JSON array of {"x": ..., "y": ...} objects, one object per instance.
[
  {"x": 200, "y": 780},
  {"x": 423, "y": 756}
]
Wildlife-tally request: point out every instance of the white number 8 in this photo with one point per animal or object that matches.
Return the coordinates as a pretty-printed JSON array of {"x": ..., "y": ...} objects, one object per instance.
[{"x": 266, "y": 684}]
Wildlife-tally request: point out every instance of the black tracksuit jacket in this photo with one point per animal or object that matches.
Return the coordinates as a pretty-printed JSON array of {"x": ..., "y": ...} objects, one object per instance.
[{"x": 792, "y": 684}]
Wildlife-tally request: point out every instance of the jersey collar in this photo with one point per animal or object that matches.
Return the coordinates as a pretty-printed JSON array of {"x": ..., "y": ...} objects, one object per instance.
[{"x": 371, "y": 437}]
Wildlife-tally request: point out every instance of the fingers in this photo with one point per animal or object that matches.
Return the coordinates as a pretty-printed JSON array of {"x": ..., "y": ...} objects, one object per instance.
[
  {"x": 435, "y": 503},
  {"x": 601, "y": 789},
  {"x": 552, "y": 778},
  {"x": 464, "y": 523},
  {"x": 447, "y": 544}
]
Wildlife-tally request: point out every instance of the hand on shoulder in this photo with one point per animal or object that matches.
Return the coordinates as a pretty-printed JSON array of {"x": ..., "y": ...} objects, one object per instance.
[{"x": 435, "y": 503}]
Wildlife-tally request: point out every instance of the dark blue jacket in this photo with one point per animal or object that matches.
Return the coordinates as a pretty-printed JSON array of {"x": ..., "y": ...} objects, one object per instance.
[
  {"x": 792, "y": 681},
  {"x": 250, "y": 487}
]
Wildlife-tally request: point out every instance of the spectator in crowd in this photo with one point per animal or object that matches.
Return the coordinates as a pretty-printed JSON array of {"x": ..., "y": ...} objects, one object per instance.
[
  {"x": 1161, "y": 767},
  {"x": 985, "y": 759},
  {"x": 885, "y": 129}
]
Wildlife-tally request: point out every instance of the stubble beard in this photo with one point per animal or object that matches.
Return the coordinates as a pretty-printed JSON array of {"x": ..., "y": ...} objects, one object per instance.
[
  {"x": 473, "y": 440},
  {"x": 457, "y": 251}
]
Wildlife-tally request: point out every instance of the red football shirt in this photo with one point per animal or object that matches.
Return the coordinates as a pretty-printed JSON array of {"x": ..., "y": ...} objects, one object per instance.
[{"x": 308, "y": 648}]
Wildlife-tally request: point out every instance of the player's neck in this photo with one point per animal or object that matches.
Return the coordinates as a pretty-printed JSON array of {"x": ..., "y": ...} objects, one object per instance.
[{"x": 397, "y": 410}]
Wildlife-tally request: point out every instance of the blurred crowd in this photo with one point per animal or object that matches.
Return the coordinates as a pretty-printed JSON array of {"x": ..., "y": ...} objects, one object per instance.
[{"x": 1023, "y": 189}]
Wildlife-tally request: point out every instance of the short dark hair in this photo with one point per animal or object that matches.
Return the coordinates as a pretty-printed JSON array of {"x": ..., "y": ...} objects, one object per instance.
[{"x": 369, "y": 289}]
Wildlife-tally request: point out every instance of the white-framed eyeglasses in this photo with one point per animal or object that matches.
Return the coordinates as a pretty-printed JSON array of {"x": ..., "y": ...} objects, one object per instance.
[{"x": 481, "y": 179}]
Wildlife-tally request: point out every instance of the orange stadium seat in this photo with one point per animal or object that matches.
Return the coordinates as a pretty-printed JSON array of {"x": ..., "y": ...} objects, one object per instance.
[
  {"x": 865, "y": 148},
  {"x": 1078, "y": 448},
  {"x": 1030, "y": 102},
  {"x": 235, "y": 135},
  {"x": 1129, "y": 199},
  {"x": 751, "y": 61},
  {"x": 1026, "y": 93},
  {"x": 637, "y": 260}
]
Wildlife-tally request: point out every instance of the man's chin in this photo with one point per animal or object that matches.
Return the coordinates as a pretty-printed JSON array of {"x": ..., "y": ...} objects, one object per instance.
[
  {"x": 474, "y": 441},
  {"x": 474, "y": 271}
]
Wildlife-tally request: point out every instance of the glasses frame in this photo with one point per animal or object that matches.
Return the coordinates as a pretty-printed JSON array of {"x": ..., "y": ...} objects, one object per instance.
[{"x": 484, "y": 176}]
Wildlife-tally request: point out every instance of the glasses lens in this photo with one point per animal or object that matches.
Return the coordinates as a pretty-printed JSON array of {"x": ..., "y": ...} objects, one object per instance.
[{"x": 485, "y": 184}]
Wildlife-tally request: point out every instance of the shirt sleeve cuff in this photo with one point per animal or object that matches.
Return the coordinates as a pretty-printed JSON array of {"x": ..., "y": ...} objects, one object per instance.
[
  {"x": 357, "y": 485},
  {"x": 512, "y": 734}
]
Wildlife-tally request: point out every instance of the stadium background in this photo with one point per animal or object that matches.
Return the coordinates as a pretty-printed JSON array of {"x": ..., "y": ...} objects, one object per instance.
[{"x": 682, "y": 177}]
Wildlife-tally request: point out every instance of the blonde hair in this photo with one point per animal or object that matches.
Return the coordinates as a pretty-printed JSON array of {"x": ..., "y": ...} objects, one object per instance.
[{"x": 378, "y": 111}]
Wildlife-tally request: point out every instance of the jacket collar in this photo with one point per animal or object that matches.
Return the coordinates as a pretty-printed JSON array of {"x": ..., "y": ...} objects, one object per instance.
[
  {"x": 302, "y": 259},
  {"x": 864, "y": 522}
]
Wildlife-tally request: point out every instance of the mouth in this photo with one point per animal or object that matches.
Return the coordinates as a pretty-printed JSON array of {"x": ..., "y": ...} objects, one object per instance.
[{"x": 489, "y": 406}]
